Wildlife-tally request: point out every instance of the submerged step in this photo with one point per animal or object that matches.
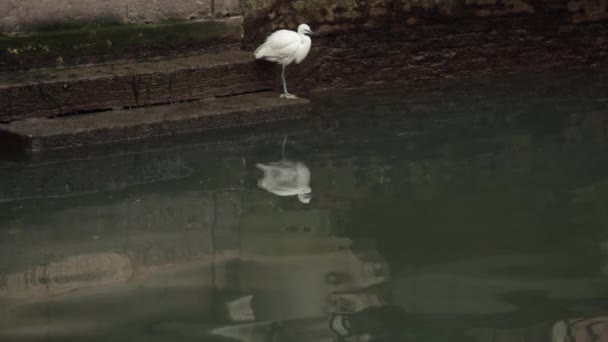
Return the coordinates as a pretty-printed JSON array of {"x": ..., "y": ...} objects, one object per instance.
[
  {"x": 57, "y": 92},
  {"x": 30, "y": 136}
]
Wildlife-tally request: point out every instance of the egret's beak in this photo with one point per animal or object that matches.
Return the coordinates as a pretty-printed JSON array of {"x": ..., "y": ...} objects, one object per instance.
[
  {"x": 304, "y": 198},
  {"x": 310, "y": 33}
]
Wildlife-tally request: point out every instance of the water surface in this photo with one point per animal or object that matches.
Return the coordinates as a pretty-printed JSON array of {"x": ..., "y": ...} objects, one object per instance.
[{"x": 474, "y": 211}]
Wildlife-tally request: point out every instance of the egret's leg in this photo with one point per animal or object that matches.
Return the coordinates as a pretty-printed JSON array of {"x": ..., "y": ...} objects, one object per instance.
[
  {"x": 286, "y": 94},
  {"x": 284, "y": 81}
]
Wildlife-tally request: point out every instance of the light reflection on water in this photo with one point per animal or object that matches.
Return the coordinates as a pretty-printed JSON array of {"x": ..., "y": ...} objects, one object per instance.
[{"x": 466, "y": 214}]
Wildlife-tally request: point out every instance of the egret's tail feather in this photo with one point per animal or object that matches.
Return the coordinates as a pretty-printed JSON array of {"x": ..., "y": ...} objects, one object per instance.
[
  {"x": 266, "y": 53},
  {"x": 260, "y": 51}
]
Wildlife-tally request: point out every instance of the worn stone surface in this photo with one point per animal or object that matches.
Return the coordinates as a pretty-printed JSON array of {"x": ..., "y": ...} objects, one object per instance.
[
  {"x": 588, "y": 10},
  {"x": 114, "y": 126},
  {"x": 226, "y": 7},
  {"x": 23, "y": 15},
  {"x": 104, "y": 43},
  {"x": 47, "y": 93},
  {"x": 400, "y": 42}
]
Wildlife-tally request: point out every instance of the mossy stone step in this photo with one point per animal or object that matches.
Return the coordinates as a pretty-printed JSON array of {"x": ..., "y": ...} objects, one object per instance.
[
  {"x": 30, "y": 136},
  {"x": 73, "y": 45}
]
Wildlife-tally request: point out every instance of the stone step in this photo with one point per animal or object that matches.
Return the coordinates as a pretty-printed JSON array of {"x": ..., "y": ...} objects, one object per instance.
[
  {"x": 59, "y": 92},
  {"x": 30, "y": 136}
]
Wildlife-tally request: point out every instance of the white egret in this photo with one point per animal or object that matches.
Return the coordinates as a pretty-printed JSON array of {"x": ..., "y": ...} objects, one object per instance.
[{"x": 285, "y": 47}]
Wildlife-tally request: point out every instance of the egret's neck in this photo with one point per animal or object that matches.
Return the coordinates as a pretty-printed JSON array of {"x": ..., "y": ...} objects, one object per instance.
[{"x": 305, "y": 39}]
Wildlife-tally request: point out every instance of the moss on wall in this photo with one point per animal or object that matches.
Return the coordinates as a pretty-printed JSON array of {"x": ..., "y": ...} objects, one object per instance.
[{"x": 68, "y": 44}]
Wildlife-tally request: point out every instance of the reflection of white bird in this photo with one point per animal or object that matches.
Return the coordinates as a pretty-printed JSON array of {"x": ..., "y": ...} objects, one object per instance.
[
  {"x": 560, "y": 332},
  {"x": 240, "y": 309},
  {"x": 286, "y": 178},
  {"x": 285, "y": 47}
]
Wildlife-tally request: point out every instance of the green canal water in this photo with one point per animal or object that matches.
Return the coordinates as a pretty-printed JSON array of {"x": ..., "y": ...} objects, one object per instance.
[{"x": 468, "y": 211}]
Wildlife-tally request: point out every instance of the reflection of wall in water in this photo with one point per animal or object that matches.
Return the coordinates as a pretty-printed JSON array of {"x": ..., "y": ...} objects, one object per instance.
[
  {"x": 604, "y": 261},
  {"x": 92, "y": 175},
  {"x": 109, "y": 241},
  {"x": 291, "y": 262},
  {"x": 197, "y": 245}
]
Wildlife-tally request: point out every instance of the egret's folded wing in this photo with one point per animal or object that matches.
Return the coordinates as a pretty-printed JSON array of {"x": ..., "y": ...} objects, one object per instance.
[
  {"x": 282, "y": 39},
  {"x": 282, "y": 43}
]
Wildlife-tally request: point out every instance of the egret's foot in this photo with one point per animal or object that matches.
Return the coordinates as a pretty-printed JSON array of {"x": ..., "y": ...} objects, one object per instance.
[{"x": 288, "y": 96}]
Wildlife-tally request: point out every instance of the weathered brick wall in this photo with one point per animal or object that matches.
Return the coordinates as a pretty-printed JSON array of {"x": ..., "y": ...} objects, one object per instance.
[
  {"x": 388, "y": 42},
  {"x": 24, "y": 15},
  {"x": 332, "y": 16}
]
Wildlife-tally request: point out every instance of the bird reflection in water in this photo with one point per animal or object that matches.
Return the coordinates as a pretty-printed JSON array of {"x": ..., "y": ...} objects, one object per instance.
[{"x": 286, "y": 178}]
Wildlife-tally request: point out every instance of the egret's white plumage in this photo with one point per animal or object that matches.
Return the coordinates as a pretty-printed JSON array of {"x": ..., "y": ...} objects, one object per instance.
[{"x": 285, "y": 47}]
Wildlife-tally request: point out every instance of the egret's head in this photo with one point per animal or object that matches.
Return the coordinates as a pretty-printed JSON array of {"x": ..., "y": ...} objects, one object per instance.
[{"x": 305, "y": 29}]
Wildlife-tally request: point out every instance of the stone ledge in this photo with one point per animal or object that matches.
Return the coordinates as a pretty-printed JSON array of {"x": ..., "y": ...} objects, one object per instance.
[
  {"x": 31, "y": 136},
  {"x": 49, "y": 93},
  {"x": 25, "y": 15}
]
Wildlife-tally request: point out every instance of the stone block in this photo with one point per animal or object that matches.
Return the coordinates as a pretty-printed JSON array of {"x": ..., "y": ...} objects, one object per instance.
[
  {"x": 25, "y": 15},
  {"x": 49, "y": 93},
  {"x": 31, "y": 136}
]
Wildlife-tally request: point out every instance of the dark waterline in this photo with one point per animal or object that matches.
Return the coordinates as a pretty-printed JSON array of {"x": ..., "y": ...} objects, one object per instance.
[{"x": 474, "y": 211}]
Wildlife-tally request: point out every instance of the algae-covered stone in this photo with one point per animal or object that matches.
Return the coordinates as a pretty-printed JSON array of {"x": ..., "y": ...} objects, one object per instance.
[{"x": 96, "y": 43}]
